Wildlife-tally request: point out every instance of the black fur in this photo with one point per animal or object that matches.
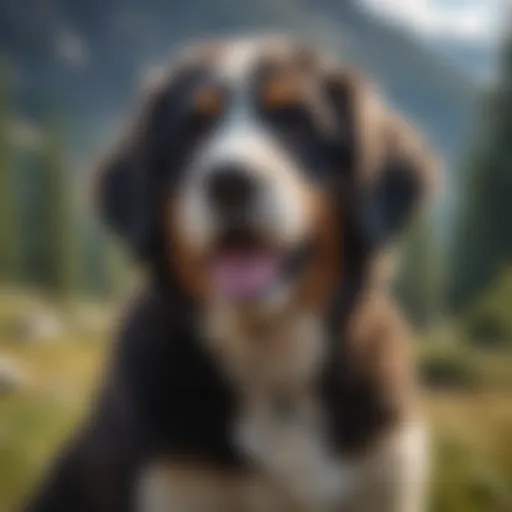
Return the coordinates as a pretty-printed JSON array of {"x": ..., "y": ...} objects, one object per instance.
[{"x": 163, "y": 395}]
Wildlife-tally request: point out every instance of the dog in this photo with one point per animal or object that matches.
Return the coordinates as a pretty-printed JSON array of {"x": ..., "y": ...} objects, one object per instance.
[{"x": 264, "y": 365}]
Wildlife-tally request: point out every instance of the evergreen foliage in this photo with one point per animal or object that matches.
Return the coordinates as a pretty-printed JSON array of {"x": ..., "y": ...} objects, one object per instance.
[
  {"x": 9, "y": 242},
  {"x": 483, "y": 239}
]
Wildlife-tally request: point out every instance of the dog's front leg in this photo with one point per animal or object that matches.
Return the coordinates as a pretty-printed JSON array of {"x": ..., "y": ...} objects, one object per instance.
[{"x": 397, "y": 478}]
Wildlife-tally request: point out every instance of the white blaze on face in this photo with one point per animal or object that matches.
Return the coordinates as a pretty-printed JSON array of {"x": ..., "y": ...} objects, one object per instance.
[{"x": 280, "y": 209}]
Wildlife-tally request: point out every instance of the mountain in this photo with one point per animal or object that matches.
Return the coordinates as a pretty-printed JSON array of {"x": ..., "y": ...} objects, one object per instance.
[
  {"x": 84, "y": 58},
  {"x": 478, "y": 60}
]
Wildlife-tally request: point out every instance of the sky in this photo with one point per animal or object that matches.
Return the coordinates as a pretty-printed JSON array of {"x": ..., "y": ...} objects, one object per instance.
[
  {"x": 454, "y": 27},
  {"x": 472, "y": 22}
]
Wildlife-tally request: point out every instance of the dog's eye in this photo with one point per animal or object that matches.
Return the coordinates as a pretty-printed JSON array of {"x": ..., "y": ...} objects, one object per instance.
[{"x": 292, "y": 119}]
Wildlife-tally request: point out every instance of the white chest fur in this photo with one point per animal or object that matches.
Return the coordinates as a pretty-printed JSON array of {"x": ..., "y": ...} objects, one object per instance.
[
  {"x": 281, "y": 424},
  {"x": 290, "y": 448},
  {"x": 286, "y": 356},
  {"x": 281, "y": 428},
  {"x": 296, "y": 475}
]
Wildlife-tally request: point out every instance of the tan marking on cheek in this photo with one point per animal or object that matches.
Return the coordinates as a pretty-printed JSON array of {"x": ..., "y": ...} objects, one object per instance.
[
  {"x": 324, "y": 271},
  {"x": 188, "y": 264}
]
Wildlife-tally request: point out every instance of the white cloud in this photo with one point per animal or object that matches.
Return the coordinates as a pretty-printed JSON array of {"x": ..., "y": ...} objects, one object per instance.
[{"x": 467, "y": 21}]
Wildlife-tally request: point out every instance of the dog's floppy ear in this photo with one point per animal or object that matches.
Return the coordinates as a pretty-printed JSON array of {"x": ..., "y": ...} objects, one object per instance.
[
  {"x": 393, "y": 170},
  {"x": 129, "y": 182},
  {"x": 403, "y": 179},
  {"x": 119, "y": 195}
]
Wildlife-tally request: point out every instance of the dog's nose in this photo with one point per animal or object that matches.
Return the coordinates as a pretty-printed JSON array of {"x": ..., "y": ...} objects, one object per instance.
[{"x": 231, "y": 188}]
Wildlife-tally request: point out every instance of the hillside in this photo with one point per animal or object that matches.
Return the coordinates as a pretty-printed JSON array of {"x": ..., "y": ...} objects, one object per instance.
[{"x": 84, "y": 59}]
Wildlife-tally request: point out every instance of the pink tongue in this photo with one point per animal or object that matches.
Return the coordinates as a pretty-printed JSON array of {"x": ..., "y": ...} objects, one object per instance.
[{"x": 244, "y": 275}]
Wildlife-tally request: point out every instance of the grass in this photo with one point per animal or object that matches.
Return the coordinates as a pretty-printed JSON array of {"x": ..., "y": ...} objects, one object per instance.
[
  {"x": 473, "y": 452},
  {"x": 472, "y": 427},
  {"x": 61, "y": 378}
]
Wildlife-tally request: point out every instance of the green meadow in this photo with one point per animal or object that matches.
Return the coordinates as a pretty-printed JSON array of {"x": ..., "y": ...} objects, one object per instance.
[{"x": 468, "y": 403}]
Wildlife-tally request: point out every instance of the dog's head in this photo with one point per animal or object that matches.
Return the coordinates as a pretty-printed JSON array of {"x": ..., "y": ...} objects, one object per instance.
[{"x": 252, "y": 168}]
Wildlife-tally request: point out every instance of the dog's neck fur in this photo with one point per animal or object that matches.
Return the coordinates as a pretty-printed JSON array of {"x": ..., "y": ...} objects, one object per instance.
[{"x": 277, "y": 355}]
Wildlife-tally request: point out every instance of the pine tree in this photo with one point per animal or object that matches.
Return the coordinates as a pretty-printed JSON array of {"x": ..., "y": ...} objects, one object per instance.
[
  {"x": 418, "y": 285},
  {"x": 483, "y": 238},
  {"x": 58, "y": 221},
  {"x": 9, "y": 241}
]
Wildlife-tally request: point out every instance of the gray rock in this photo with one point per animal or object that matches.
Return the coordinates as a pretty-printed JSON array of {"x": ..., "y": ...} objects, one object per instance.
[
  {"x": 37, "y": 326},
  {"x": 12, "y": 379}
]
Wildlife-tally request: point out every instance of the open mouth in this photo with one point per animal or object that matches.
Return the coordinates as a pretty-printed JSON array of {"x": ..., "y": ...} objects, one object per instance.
[{"x": 245, "y": 266}]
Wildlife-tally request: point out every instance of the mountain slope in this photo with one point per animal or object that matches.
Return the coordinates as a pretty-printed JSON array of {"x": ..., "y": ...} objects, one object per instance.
[{"x": 84, "y": 57}]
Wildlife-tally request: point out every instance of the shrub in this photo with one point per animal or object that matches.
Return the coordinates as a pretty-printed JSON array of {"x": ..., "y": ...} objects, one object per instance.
[
  {"x": 451, "y": 368},
  {"x": 488, "y": 321}
]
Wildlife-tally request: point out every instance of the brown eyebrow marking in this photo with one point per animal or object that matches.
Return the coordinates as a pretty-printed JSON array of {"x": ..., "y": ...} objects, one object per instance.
[
  {"x": 207, "y": 101},
  {"x": 280, "y": 91}
]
